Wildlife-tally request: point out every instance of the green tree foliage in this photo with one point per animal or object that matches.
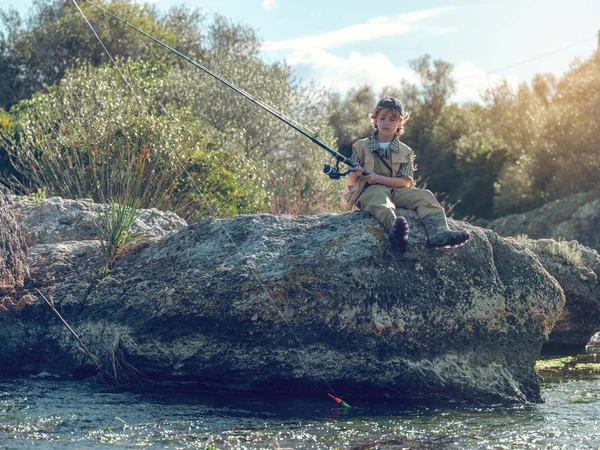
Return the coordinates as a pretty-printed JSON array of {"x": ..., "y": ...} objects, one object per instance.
[
  {"x": 349, "y": 117},
  {"x": 285, "y": 166},
  {"x": 89, "y": 137},
  {"x": 551, "y": 133},
  {"x": 7, "y": 171},
  {"x": 87, "y": 134},
  {"x": 292, "y": 162},
  {"x": 36, "y": 53}
]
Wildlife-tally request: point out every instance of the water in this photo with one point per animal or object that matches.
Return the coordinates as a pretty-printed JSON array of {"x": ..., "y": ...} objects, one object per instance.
[{"x": 53, "y": 414}]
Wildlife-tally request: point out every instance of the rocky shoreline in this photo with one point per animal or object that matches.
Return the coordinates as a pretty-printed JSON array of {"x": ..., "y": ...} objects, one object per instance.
[{"x": 284, "y": 304}]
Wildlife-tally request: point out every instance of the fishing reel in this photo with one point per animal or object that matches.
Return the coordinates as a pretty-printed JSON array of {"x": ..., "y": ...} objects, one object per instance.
[{"x": 334, "y": 172}]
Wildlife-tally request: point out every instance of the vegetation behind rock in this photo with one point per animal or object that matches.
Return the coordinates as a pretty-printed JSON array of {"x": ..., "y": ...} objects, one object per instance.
[{"x": 516, "y": 150}]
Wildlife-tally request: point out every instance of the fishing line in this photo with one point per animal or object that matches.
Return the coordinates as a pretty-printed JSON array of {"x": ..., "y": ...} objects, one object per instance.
[
  {"x": 239, "y": 90},
  {"x": 314, "y": 138},
  {"x": 204, "y": 197}
]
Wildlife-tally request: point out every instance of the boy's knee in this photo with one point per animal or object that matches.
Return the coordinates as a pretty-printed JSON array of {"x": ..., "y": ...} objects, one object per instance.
[{"x": 424, "y": 195}]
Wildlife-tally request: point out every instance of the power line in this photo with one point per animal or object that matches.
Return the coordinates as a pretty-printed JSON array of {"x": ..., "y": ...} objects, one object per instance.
[{"x": 535, "y": 58}]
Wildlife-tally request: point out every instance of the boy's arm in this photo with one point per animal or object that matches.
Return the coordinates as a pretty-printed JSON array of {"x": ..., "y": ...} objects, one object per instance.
[
  {"x": 394, "y": 183},
  {"x": 354, "y": 176},
  {"x": 407, "y": 170}
]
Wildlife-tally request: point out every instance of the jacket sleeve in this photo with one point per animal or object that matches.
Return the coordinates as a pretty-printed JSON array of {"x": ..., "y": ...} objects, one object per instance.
[
  {"x": 355, "y": 158},
  {"x": 407, "y": 169}
]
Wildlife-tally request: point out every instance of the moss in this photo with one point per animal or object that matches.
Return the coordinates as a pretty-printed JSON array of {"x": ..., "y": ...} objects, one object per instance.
[
  {"x": 579, "y": 363},
  {"x": 209, "y": 308},
  {"x": 248, "y": 286},
  {"x": 295, "y": 286},
  {"x": 336, "y": 244},
  {"x": 377, "y": 232}
]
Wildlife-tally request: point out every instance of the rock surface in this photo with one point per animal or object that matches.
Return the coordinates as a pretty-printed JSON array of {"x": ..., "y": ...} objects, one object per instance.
[
  {"x": 58, "y": 220},
  {"x": 300, "y": 304},
  {"x": 593, "y": 346},
  {"x": 573, "y": 218},
  {"x": 14, "y": 265},
  {"x": 576, "y": 268}
]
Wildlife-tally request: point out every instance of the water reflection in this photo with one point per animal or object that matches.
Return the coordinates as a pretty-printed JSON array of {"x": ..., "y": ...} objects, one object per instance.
[{"x": 46, "y": 413}]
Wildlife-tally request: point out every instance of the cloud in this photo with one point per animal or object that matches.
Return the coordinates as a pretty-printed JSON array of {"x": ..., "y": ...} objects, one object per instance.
[
  {"x": 269, "y": 4},
  {"x": 472, "y": 81},
  {"x": 340, "y": 74},
  {"x": 313, "y": 59},
  {"x": 376, "y": 28}
]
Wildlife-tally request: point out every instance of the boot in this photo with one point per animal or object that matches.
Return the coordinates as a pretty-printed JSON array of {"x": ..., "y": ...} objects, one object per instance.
[
  {"x": 440, "y": 235},
  {"x": 399, "y": 234}
]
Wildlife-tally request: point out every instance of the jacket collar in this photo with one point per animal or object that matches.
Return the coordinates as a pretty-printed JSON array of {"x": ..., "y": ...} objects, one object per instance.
[{"x": 374, "y": 145}]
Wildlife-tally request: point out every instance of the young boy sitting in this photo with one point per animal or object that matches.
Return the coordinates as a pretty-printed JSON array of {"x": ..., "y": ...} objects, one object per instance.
[{"x": 383, "y": 180}]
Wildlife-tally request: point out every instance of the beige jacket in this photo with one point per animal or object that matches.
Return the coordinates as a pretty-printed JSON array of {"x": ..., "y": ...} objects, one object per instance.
[{"x": 352, "y": 193}]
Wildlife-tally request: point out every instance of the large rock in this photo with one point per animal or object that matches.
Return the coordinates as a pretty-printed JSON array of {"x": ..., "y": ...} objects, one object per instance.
[
  {"x": 14, "y": 266},
  {"x": 573, "y": 218},
  {"x": 281, "y": 303},
  {"x": 59, "y": 220},
  {"x": 593, "y": 346},
  {"x": 576, "y": 268}
]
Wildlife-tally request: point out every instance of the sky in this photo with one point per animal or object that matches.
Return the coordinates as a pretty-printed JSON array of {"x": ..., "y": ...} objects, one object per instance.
[{"x": 344, "y": 44}]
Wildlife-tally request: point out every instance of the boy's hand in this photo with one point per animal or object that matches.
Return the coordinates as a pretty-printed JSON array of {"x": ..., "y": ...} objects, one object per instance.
[
  {"x": 373, "y": 178},
  {"x": 358, "y": 170}
]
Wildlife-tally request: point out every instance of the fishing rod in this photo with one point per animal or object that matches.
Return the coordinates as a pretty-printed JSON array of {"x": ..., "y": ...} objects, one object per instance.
[
  {"x": 264, "y": 106},
  {"x": 332, "y": 171}
]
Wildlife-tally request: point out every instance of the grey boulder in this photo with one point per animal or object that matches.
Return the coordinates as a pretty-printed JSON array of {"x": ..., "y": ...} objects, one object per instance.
[{"x": 295, "y": 304}]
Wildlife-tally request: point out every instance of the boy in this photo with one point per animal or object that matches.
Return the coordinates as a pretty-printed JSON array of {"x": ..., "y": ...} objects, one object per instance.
[{"x": 383, "y": 180}]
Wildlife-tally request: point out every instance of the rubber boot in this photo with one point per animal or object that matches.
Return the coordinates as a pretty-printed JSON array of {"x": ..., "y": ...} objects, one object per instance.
[
  {"x": 399, "y": 234},
  {"x": 440, "y": 236}
]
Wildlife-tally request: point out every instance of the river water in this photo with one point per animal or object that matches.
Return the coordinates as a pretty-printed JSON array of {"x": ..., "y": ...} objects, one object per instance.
[{"x": 46, "y": 413}]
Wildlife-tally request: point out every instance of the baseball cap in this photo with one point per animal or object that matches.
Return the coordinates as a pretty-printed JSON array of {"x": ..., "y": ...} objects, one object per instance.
[{"x": 391, "y": 102}]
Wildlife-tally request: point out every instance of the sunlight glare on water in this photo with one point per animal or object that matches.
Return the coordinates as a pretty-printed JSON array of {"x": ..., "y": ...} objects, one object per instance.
[{"x": 54, "y": 414}]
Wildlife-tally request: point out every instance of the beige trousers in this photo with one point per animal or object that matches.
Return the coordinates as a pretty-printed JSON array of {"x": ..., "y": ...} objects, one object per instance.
[{"x": 381, "y": 202}]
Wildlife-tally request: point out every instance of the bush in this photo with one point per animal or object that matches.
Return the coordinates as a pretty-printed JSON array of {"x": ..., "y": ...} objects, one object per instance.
[
  {"x": 88, "y": 137},
  {"x": 36, "y": 53}
]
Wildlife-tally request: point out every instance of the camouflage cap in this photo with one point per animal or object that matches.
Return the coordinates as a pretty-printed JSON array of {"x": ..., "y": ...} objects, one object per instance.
[{"x": 391, "y": 102}]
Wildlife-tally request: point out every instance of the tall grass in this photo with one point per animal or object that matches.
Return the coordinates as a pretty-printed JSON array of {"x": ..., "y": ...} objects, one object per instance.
[
  {"x": 87, "y": 136},
  {"x": 122, "y": 210},
  {"x": 115, "y": 227}
]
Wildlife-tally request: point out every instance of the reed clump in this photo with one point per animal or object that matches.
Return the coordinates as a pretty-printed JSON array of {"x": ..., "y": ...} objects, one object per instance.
[
  {"x": 87, "y": 136},
  {"x": 115, "y": 228}
]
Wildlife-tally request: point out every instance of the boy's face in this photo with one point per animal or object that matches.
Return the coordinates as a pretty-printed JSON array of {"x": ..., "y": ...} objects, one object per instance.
[{"x": 387, "y": 123}]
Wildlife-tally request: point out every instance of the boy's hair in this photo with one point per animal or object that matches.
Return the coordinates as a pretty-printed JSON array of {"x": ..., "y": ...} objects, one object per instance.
[{"x": 395, "y": 108}]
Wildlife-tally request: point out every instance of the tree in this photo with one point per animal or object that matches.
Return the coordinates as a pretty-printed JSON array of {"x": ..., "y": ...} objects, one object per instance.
[
  {"x": 293, "y": 163},
  {"x": 35, "y": 55},
  {"x": 349, "y": 117},
  {"x": 89, "y": 137}
]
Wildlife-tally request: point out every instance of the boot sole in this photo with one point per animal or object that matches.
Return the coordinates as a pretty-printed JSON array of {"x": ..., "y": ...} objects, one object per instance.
[{"x": 456, "y": 242}]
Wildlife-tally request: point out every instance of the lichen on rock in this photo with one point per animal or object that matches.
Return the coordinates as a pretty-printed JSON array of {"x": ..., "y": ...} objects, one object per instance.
[
  {"x": 576, "y": 268},
  {"x": 286, "y": 303},
  {"x": 14, "y": 266}
]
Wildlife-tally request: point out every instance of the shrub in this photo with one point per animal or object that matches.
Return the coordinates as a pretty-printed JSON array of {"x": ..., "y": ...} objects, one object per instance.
[{"x": 88, "y": 137}]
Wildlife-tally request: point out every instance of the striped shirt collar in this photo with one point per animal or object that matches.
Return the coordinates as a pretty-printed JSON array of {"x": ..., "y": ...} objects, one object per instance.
[{"x": 374, "y": 145}]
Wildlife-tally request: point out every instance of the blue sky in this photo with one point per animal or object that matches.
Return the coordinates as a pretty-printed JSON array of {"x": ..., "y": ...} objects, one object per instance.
[{"x": 342, "y": 44}]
